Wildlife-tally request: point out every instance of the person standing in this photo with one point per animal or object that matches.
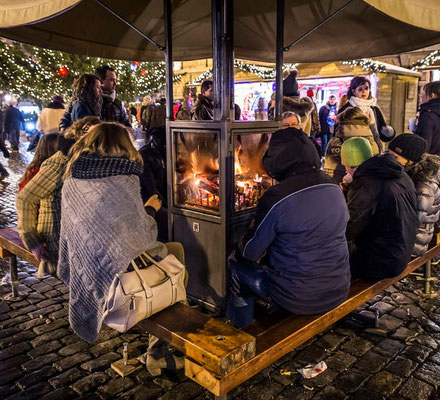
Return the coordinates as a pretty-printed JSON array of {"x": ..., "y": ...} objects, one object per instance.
[
  {"x": 86, "y": 97},
  {"x": 50, "y": 117},
  {"x": 327, "y": 120},
  {"x": 112, "y": 108},
  {"x": 315, "y": 128},
  {"x": 359, "y": 95},
  {"x": 428, "y": 126},
  {"x": 204, "y": 107},
  {"x": 14, "y": 121}
]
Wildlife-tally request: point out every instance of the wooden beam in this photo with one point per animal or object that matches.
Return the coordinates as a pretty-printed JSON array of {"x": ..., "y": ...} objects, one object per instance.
[
  {"x": 281, "y": 332},
  {"x": 11, "y": 242},
  {"x": 219, "y": 347}
]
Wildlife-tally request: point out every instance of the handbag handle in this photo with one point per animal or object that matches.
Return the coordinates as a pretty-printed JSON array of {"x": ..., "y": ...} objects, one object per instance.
[
  {"x": 157, "y": 264},
  {"x": 147, "y": 288}
]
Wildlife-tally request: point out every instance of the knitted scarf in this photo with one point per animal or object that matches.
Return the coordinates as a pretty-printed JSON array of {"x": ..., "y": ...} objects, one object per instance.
[
  {"x": 365, "y": 105},
  {"x": 94, "y": 167},
  {"x": 103, "y": 227}
]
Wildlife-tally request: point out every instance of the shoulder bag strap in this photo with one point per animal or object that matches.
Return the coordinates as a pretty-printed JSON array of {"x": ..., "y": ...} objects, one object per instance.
[
  {"x": 147, "y": 288},
  {"x": 162, "y": 268}
]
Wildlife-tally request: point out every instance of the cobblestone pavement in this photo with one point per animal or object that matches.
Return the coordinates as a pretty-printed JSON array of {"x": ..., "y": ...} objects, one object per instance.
[{"x": 40, "y": 360}]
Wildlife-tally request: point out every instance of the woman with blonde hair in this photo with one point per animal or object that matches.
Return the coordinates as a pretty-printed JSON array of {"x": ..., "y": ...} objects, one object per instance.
[
  {"x": 104, "y": 224},
  {"x": 39, "y": 203}
]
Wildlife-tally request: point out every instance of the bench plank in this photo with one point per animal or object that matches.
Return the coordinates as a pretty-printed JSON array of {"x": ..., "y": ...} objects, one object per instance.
[
  {"x": 11, "y": 244},
  {"x": 281, "y": 332},
  {"x": 217, "y": 346}
]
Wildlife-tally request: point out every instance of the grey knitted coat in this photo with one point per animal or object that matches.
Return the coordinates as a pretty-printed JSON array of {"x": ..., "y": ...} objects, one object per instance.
[{"x": 103, "y": 227}]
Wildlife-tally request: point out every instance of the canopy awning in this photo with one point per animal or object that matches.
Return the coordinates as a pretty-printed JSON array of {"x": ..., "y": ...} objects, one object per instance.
[{"x": 366, "y": 28}]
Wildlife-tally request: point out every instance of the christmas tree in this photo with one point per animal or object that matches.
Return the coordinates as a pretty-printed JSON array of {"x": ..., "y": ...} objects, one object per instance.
[{"x": 29, "y": 71}]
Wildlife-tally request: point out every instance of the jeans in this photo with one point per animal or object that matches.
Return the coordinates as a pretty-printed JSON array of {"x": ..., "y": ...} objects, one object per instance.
[
  {"x": 324, "y": 140},
  {"x": 248, "y": 281}
]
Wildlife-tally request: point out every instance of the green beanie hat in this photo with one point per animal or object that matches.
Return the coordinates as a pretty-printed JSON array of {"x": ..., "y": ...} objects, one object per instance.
[{"x": 355, "y": 151}]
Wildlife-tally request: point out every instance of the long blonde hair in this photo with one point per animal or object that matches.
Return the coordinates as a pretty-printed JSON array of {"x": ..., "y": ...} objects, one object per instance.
[{"x": 107, "y": 139}]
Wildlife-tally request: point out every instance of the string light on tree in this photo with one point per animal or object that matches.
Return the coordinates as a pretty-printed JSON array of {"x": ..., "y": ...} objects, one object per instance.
[{"x": 41, "y": 73}]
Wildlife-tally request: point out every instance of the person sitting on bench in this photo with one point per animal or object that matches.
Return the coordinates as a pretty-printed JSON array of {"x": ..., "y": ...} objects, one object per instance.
[
  {"x": 39, "y": 202},
  {"x": 423, "y": 168},
  {"x": 383, "y": 212},
  {"x": 295, "y": 254}
]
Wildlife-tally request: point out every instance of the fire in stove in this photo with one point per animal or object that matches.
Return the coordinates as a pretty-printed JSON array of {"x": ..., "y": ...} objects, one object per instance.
[
  {"x": 197, "y": 171},
  {"x": 251, "y": 181}
]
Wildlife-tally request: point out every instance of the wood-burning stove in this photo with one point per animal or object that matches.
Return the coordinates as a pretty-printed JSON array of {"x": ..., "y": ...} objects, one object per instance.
[{"x": 215, "y": 177}]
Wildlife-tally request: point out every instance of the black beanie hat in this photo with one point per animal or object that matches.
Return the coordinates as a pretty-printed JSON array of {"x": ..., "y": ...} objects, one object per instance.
[{"x": 409, "y": 146}]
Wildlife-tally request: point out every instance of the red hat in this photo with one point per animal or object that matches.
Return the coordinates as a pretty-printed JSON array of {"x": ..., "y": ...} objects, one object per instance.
[{"x": 310, "y": 93}]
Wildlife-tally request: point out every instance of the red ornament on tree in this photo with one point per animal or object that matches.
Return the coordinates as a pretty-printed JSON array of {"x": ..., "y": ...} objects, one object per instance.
[
  {"x": 63, "y": 71},
  {"x": 137, "y": 63},
  {"x": 143, "y": 72}
]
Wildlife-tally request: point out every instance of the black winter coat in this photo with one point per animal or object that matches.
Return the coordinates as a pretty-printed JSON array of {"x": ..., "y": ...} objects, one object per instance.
[
  {"x": 110, "y": 111},
  {"x": 14, "y": 120},
  {"x": 114, "y": 111},
  {"x": 383, "y": 219},
  {"x": 428, "y": 126}
]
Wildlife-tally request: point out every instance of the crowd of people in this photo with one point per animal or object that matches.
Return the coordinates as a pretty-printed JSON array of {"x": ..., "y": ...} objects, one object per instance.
[{"x": 89, "y": 202}]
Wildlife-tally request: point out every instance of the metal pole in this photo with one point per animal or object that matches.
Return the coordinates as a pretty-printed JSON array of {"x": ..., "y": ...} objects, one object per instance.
[
  {"x": 168, "y": 59},
  {"x": 428, "y": 277},
  {"x": 222, "y": 58},
  {"x": 217, "y": 57},
  {"x": 279, "y": 60},
  {"x": 14, "y": 275},
  {"x": 287, "y": 48},
  {"x": 228, "y": 106},
  {"x": 130, "y": 25}
]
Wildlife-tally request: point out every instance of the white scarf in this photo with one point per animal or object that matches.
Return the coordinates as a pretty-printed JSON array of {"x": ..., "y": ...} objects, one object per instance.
[
  {"x": 111, "y": 96},
  {"x": 365, "y": 105}
]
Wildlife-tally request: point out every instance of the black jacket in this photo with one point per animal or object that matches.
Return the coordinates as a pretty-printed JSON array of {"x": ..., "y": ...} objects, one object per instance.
[
  {"x": 110, "y": 111},
  {"x": 203, "y": 109},
  {"x": 383, "y": 219},
  {"x": 14, "y": 120},
  {"x": 114, "y": 111},
  {"x": 154, "y": 177},
  {"x": 301, "y": 238},
  {"x": 429, "y": 125},
  {"x": 323, "y": 115}
]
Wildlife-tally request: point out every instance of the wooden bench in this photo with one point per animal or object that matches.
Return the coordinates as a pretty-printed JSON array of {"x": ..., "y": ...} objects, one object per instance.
[
  {"x": 220, "y": 357},
  {"x": 275, "y": 335},
  {"x": 11, "y": 246}
]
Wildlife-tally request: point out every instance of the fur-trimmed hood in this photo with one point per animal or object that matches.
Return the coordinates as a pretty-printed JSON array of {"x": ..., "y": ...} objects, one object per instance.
[
  {"x": 427, "y": 168},
  {"x": 302, "y": 106},
  {"x": 353, "y": 116}
]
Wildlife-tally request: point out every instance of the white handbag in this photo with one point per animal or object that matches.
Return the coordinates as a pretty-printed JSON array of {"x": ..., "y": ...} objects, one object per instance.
[{"x": 138, "y": 294}]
